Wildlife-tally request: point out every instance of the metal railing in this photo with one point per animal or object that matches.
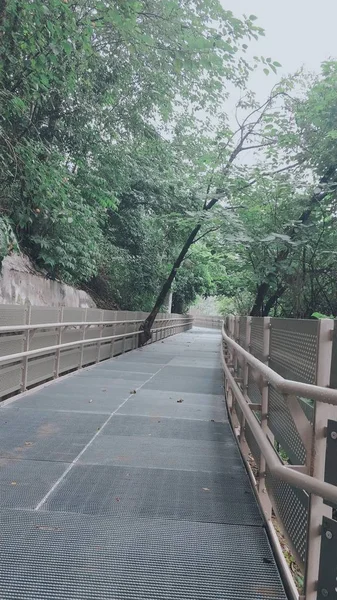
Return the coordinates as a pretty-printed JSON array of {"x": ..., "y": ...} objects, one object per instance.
[
  {"x": 276, "y": 377},
  {"x": 211, "y": 322},
  {"x": 34, "y": 348}
]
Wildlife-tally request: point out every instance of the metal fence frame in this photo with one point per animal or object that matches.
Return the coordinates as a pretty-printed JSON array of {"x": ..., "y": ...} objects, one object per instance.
[
  {"x": 211, "y": 322},
  {"x": 47, "y": 350},
  {"x": 255, "y": 437}
]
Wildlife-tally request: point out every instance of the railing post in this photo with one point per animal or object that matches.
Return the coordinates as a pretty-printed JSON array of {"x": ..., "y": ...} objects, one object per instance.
[
  {"x": 112, "y": 349},
  {"x": 229, "y": 358},
  {"x": 26, "y": 338},
  {"x": 322, "y": 412},
  {"x": 261, "y": 480},
  {"x": 98, "y": 357},
  {"x": 245, "y": 365},
  {"x": 124, "y": 338},
  {"x": 242, "y": 438},
  {"x": 134, "y": 337},
  {"x": 236, "y": 339},
  {"x": 59, "y": 341}
]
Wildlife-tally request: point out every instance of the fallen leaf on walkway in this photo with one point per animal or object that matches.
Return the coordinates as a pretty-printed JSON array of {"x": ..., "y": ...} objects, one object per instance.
[
  {"x": 28, "y": 443},
  {"x": 90, "y": 401},
  {"x": 180, "y": 400},
  {"x": 13, "y": 483},
  {"x": 117, "y": 499},
  {"x": 103, "y": 389},
  {"x": 133, "y": 392},
  {"x": 212, "y": 421},
  {"x": 206, "y": 489}
]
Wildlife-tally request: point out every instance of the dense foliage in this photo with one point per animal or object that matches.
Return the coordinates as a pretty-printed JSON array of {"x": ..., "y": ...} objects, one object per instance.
[
  {"x": 287, "y": 240},
  {"x": 115, "y": 145},
  {"x": 96, "y": 132}
]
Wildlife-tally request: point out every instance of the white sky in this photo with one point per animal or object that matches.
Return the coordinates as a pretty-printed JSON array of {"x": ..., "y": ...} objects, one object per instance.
[{"x": 298, "y": 32}]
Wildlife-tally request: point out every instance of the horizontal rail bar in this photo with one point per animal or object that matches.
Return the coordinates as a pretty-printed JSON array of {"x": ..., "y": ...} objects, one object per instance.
[
  {"x": 285, "y": 386},
  {"x": 31, "y": 326},
  {"x": 295, "y": 478},
  {"x": 49, "y": 349}
]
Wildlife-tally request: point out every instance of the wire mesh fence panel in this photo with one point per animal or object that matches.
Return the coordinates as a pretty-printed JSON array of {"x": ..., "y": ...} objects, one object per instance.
[
  {"x": 293, "y": 349},
  {"x": 291, "y": 506},
  {"x": 256, "y": 337}
]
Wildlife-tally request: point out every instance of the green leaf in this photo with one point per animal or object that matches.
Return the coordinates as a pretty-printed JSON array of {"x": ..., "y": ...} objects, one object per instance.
[{"x": 266, "y": 71}]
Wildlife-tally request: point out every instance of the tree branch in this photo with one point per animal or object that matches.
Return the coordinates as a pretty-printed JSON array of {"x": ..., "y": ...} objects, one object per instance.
[
  {"x": 269, "y": 174},
  {"x": 259, "y": 145},
  {"x": 206, "y": 233}
]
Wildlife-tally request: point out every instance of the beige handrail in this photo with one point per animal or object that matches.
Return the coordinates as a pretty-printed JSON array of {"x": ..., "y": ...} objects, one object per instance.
[
  {"x": 32, "y": 326},
  {"x": 283, "y": 472},
  {"x": 49, "y": 349},
  {"x": 285, "y": 386}
]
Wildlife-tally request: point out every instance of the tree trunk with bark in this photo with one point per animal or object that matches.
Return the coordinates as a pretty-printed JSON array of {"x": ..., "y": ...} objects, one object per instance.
[
  {"x": 246, "y": 130},
  {"x": 146, "y": 327}
]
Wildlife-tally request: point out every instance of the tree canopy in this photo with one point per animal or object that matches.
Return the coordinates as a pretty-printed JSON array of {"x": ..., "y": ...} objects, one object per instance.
[{"x": 121, "y": 168}]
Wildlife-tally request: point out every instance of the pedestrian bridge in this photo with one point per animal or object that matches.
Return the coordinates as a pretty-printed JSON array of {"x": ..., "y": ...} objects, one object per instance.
[{"x": 125, "y": 479}]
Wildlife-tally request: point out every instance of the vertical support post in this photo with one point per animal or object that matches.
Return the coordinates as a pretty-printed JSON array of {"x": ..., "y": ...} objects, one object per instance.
[
  {"x": 133, "y": 340},
  {"x": 59, "y": 341},
  {"x": 242, "y": 438},
  {"x": 261, "y": 482},
  {"x": 98, "y": 357},
  {"x": 227, "y": 356},
  {"x": 84, "y": 330},
  {"x": 26, "y": 339},
  {"x": 236, "y": 339},
  {"x": 124, "y": 338},
  {"x": 245, "y": 364},
  {"x": 322, "y": 412},
  {"x": 112, "y": 350}
]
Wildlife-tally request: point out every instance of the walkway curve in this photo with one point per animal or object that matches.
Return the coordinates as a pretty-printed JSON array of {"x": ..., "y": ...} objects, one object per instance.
[{"x": 124, "y": 482}]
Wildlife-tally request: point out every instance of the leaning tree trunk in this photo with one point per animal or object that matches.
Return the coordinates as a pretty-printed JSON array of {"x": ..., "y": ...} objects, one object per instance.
[{"x": 148, "y": 323}]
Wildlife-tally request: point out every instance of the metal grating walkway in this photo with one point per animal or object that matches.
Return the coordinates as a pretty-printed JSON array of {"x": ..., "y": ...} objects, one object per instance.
[{"x": 124, "y": 482}]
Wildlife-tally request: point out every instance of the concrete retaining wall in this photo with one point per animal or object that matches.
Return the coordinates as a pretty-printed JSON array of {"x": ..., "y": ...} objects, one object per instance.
[{"x": 20, "y": 283}]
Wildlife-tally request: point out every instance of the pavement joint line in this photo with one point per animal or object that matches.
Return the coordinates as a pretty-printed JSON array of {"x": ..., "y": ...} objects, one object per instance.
[{"x": 76, "y": 459}]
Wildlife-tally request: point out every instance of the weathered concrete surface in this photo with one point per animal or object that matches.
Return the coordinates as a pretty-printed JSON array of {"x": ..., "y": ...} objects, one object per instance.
[{"x": 20, "y": 283}]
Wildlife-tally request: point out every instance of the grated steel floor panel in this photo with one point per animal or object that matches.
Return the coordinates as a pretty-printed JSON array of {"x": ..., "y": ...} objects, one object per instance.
[
  {"x": 46, "y": 435},
  {"x": 163, "y": 404},
  {"x": 24, "y": 483},
  {"x": 117, "y": 365},
  {"x": 116, "y": 495},
  {"x": 138, "y": 451},
  {"x": 83, "y": 399},
  {"x": 214, "y": 374},
  {"x": 158, "y": 493},
  {"x": 184, "y": 429},
  {"x": 184, "y": 384},
  {"x": 62, "y": 556},
  {"x": 114, "y": 375}
]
